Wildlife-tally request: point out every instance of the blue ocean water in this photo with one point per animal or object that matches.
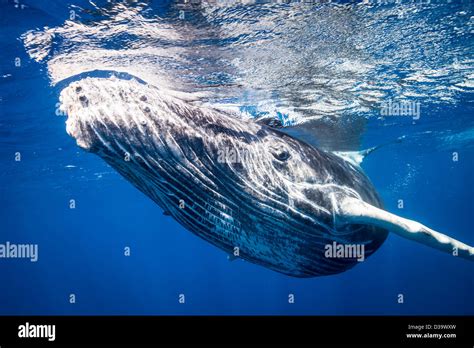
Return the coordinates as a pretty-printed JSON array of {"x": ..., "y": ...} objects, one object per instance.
[{"x": 239, "y": 57}]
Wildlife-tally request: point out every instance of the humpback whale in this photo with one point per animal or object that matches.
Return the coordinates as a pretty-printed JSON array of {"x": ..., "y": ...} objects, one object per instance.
[{"x": 236, "y": 183}]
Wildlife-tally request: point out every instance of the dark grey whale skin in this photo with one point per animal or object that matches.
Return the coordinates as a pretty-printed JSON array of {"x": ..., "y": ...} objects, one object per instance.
[{"x": 276, "y": 204}]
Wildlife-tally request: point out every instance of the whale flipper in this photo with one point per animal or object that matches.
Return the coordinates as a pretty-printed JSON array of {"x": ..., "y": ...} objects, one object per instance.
[
  {"x": 355, "y": 211},
  {"x": 357, "y": 157}
]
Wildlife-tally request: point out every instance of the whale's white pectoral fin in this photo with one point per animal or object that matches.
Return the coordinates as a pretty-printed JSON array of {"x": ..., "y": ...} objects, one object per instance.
[
  {"x": 357, "y": 157},
  {"x": 355, "y": 211}
]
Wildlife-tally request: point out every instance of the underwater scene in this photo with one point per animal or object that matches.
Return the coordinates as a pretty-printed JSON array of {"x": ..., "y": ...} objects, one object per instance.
[{"x": 236, "y": 157}]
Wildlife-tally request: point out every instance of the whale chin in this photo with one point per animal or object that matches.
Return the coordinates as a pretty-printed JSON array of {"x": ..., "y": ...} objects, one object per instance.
[
  {"x": 80, "y": 117},
  {"x": 74, "y": 130}
]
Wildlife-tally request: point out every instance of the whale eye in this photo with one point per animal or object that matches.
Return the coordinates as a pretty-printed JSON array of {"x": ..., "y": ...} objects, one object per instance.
[{"x": 280, "y": 154}]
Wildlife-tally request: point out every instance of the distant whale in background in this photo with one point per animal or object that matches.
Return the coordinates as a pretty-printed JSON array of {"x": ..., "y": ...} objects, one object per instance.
[{"x": 238, "y": 184}]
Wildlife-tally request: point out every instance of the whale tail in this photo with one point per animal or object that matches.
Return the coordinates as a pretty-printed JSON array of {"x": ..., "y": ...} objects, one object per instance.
[{"x": 355, "y": 211}]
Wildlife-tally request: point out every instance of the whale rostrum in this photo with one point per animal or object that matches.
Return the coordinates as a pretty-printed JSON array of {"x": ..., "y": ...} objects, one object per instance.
[{"x": 236, "y": 183}]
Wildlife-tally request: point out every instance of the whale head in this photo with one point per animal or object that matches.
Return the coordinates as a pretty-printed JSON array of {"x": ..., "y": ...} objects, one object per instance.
[{"x": 251, "y": 190}]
